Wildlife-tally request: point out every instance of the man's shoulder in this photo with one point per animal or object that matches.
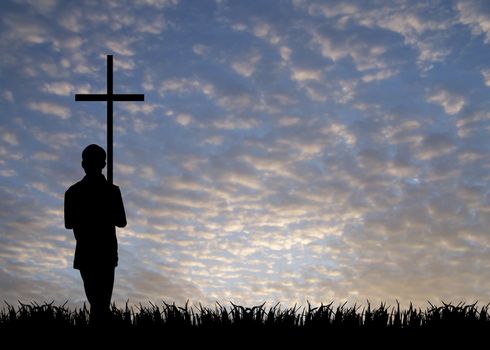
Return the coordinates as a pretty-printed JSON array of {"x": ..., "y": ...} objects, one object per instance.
[
  {"x": 112, "y": 187},
  {"x": 75, "y": 187},
  {"x": 82, "y": 186}
]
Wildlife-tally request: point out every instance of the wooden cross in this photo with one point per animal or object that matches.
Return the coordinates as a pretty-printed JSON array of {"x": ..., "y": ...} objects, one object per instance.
[{"x": 110, "y": 97}]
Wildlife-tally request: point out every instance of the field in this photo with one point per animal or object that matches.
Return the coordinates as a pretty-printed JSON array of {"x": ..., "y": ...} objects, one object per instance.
[
  {"x": 324, "y": 319},
  {"x": 223, "y": 327}
]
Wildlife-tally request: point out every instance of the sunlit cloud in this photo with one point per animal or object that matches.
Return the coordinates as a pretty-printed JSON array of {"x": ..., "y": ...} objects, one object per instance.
[
  {"x": 50, "y": 109},
  {"x": 452, "y": 103}
]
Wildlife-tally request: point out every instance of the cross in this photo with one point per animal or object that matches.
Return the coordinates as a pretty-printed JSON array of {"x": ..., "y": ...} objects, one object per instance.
[{"x": 110, "y": 97}]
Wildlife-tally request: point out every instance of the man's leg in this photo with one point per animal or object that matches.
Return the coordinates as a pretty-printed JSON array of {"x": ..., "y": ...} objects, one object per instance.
[
  {"x": 89, "y": 277},
  {"x": 98, "y": 284},
  {"x": 106, "y": 287}
]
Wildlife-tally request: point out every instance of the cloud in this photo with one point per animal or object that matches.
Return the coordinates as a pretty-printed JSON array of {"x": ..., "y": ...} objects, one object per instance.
[
  {"x": 305, "y": 74},
  {"x": 418, "y": 29},
  {"x": 282, "y": 153},
  {"x": 184, "y": 85},
  {"x": 72, "y": 20},
  {"x": 8, "y": 96},
  {"x": 125, "y": 64},
  {"x": 436, "y": 145},
  {"x": 247, "y": 66},
  {"x": 21, "y": 29},
  {"x": 486, "y": 76},
  {"x": 184, "y": 119},
  {"x": 266, "y": 31},
  {"x": 10, "y": 138},
  {"x": 8, "y": 173},
  {"x": 288, "y": 121},
  {"x": 120, "y": 48},
  {"x": 59, "y": 88},
  {"x": 50, "y": 108},
  {"x": 42, "y": 6},
  {"x": 159, "y": 4},
  {"x": 451, "y": 102},
  {"x": 45, "y": 156},
  {"x": 476, "y": 15},
  {"x": 154, "y": 26},
  {"x": 200, "y": 49},
  {"x": 232, "y": 123},
  {"x": 139, "y": 108},
  {"x": 380, "y": 75},
  {"x": 57, "y": 141}
]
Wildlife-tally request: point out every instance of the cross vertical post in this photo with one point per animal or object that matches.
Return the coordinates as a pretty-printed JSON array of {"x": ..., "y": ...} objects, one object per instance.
[
  {"x": 109, "y": 97},
  {"x": 110, "y": 133}
]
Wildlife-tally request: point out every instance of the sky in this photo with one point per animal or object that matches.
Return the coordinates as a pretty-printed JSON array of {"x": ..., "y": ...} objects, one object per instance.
[{"x": 286, "y": 151}]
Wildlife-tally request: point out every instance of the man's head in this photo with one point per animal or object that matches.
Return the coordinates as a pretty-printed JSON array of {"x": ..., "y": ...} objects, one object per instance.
[{"x": 93, "y": 159}]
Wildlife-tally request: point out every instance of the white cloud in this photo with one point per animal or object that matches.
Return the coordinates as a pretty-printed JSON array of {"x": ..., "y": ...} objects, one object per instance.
[
  {"x": 8, "y": 95},
  {"x": 184, "y": 85},
  {"x": 408, "y": 24},
  {"x": 42, "y": 6},
  {"x": 57, "y": 141},
  {"x": 285, "y": 53},
  {"x": 476, "y": 15},
  {"x": 265, "y": 31},
  {"x": 7, "y": 172},
  {"x": 200, "y": 49},
  {"x": 142, "y": 124},
  {"x": 472, "y": 124},
  {"x": 239, "y": 27},
  {"x": 24, "y": 30},
  {"x": 379, "y": 75},
  {"x": 338, "y": 46},
  {"x": 153, "y": 26},
  {"x": 10, "y": 138},
  {"x": 288, "y": 121},
  {"x": 214, "y": 140},
  {"x": 184, "y": 119},
  {"x": 71, "y": 43},
  {"x": 50, "y": 108},
  {"x": 45, "y": 156},
  {"x": 59, "y": 88},
  {"x": 339, "y": 131},
  {"x": 120, "y": 47},
  {"x": 342, "y": 9},
  {"x": 300, "y": 75},
  {"x": 124, "y": 169},
  {"x": 417, "y": 29},
  {"x": 72, "y": 20},
  {"x": 148, "y": 84},
  {"x": 125, "y": 64},
  {"x": 139, "y": 108},
  {"x": 159, "y": 4},
  {"x": 436, "y": 145},
  {"x": 486, "y": 76},
  {"x": 451, "y": 102},
  {"x": 246, "y": 67},
  {"x": 148, "y": 173},
  {"x": 41, "y": 187},
  {"x": 235, "y": 123}
]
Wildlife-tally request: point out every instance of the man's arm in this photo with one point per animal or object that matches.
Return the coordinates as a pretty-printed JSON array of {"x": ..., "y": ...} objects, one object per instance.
[
  {"x": 68, "y": 210},
  {"x": 119, "y": 213}
]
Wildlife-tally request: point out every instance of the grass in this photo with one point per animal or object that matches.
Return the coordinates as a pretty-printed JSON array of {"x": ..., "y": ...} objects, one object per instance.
[{"x": 319, "y": 319}]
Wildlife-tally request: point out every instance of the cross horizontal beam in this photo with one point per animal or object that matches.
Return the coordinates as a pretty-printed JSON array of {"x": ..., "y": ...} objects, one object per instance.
[{"x": 109, "y": 97}]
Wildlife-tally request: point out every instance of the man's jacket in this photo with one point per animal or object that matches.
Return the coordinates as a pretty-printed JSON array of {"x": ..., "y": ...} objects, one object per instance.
[{"x": 93, "y": 208}]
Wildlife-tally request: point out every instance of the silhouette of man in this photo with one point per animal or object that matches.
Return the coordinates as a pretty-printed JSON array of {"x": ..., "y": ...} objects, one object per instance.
[{"x": 93, "y": 207}]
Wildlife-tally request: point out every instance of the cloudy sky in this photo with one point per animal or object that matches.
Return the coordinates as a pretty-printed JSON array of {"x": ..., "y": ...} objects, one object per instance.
[{"x": 286, "y": 150}]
